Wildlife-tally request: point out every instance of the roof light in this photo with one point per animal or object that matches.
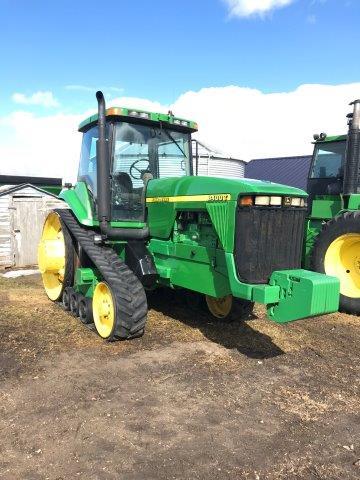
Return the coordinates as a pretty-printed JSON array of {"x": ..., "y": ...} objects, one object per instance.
[
  {"x": 115, "y": 111},
  {"x": 177, "y": 122},
  {"x": 184, "y": 123},
  {"x": 262, "y": 200}
]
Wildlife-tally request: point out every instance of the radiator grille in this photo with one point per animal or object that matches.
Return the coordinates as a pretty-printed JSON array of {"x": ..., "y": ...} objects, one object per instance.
[{"x": 267, "y": 239}]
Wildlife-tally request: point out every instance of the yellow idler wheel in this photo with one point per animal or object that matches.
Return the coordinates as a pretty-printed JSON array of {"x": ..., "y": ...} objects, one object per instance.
[
  {"x": 55, "y": 257},
  {"x": 104, "y": 310},
  {"x": 342, "y": 260},
  {"x": 219, "y": 307}
]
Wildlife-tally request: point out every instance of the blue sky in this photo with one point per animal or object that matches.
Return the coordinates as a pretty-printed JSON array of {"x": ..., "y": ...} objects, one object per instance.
[
  {"x": 159, "y": 49},
  {"x": 205, "y": 59}
]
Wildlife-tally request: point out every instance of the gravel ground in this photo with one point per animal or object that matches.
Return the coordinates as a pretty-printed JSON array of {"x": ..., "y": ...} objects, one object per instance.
[{"x": 192, "y": 399}]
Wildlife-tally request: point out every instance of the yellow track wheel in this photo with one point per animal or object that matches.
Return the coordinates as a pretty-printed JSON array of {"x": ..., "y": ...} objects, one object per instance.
[
  {"x": 104, "y": 310},
  {"x": 219, "y": 307},
  {"x": 52, "y": 257},
  {"x": 342, "y": 260}
]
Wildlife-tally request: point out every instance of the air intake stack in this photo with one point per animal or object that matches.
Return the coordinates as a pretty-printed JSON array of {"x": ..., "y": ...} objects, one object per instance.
[{"x": 352, "y": 156}]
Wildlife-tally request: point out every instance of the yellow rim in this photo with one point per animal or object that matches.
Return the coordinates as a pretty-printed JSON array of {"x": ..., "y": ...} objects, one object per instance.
[
  {"x": 51, "y": 256},
  {"x": 342, "y": 260},
  {"x": 219, "y": 307},
  {"x": 103, "y": 310}
]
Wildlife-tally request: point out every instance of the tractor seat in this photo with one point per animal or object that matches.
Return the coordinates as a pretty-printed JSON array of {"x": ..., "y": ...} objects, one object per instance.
[{"x": 122, "y": 182}]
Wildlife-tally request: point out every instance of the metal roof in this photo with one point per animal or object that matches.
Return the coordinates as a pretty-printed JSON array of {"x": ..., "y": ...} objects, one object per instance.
[
  {"x": 19, "y": 180},
  {"x": 291, "y": 171},
  {"x": 8, "y": 190}
]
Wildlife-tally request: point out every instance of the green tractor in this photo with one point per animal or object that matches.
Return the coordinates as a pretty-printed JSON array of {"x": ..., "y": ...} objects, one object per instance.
[
  {"x": 137, "y": 220},
  {"x": 332, "y": 233}
]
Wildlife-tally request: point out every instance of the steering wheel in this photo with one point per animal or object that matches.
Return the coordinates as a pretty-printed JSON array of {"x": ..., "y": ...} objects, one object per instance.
[{"x": 133, "y": 168}]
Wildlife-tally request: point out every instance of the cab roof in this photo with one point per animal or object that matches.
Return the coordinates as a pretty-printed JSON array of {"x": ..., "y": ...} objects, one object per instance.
[
  {"x": 334, "y": 138},
  {"x": 127, "y": 114}
]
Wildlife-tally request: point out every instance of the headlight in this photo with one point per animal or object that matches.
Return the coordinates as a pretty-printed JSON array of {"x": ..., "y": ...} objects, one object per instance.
[
  {"x": 296, "y": 202},
  {"x": 275, "y": 201},
  {"x": 262, "y": 200}
]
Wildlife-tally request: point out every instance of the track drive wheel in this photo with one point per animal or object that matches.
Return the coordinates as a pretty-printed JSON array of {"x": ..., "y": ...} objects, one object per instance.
[
  {"x": 337, "y": 253},
  {"x": 56, "y": 257},
  {"x": 228, "y": 308},
  {"x": 119, "y": 311}
]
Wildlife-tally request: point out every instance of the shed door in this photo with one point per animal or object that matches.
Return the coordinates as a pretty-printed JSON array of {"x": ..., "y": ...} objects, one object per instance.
[{"x": 28, "y": 219}]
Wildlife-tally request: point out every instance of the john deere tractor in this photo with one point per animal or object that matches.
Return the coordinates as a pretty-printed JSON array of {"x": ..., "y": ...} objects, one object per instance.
[
  {"x": 332, "y": 239},
  {"x": 137, "y": 219}
]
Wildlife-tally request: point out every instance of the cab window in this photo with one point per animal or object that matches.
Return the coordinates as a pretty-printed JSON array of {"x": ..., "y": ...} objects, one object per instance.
[{"x": 87, "y": 167}]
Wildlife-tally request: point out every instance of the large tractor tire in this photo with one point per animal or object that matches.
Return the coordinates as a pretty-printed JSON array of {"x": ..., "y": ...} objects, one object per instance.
[
  {"x": 228, "y": 308},
  {"x": 337, "y": 253},
  {"x": 56, "y": 257}
]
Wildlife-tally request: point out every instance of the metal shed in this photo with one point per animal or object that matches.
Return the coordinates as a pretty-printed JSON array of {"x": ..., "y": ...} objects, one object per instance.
[
  {"x": 212, "y": 163},
  {"x": 292, "y": 171},
  {"x": 22, "y": 212}
]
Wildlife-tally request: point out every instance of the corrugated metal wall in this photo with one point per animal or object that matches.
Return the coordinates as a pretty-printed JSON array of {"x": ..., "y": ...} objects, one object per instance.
[{"x": 220, "y": 167}]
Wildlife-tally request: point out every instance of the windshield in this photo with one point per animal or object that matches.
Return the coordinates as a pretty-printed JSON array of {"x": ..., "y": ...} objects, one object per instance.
[
  {"x": 328, "y": 160},
  {"x": 141, "y": 153}
]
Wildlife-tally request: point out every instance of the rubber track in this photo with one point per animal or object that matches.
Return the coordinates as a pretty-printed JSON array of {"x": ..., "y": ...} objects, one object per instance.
[{"x": 130, "y": 297}]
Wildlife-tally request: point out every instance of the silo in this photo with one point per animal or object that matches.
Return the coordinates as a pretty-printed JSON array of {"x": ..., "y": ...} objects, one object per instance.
[{"x": 212, "y": 163}]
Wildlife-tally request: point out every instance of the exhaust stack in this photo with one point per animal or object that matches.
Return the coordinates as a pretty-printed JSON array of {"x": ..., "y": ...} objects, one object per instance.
[{"x": 352, "y": 156}]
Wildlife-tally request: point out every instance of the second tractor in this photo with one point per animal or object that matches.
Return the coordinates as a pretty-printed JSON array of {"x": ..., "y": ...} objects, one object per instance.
[{"x": 332, "y": 233}]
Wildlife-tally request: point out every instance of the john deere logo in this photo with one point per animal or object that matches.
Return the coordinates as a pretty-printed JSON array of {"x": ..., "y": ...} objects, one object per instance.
[{"x": 287, "y": 201}]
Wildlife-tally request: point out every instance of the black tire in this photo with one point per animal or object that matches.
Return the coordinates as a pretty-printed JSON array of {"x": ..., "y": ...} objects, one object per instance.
[
  {"x": 240, "y": 310},
  {"x": 74, "y": 303},
  {"x": 85, "y": 310},
  {"x": 347, "y": 223},
  {"x": 66, "y": 298}
]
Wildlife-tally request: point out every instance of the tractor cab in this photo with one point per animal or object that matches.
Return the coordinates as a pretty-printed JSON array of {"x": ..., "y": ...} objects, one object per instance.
[
  {"x": 327, "y": 169},
  {"x": 142, "y": 146}
]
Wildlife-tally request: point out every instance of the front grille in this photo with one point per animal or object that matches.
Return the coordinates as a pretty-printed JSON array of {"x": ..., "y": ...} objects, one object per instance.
[{"x": 267, "y": 239}]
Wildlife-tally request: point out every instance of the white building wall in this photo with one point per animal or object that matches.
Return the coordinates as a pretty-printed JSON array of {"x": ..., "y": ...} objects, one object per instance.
[
  {"x": 19, "y": 238},
  {"x": 6, "y": 258}
]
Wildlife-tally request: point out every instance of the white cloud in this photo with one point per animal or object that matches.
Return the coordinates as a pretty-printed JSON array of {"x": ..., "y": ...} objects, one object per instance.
[
  {"x": 247, "y": 8},
  {"x": 243, "y": 122},
  {"x": 45, "y": 99},
  {"x": 139, "y": 103},
  {"x": 247, "y": 123},
  {"x": 39, "y": 146}
]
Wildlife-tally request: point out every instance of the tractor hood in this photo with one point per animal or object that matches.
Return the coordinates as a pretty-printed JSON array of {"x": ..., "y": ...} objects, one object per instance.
[{"x": 232, "y": 188}]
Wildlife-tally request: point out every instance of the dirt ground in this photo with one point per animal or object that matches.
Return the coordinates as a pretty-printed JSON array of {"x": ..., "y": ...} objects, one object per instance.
[{"x": 192, "y": 399}]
